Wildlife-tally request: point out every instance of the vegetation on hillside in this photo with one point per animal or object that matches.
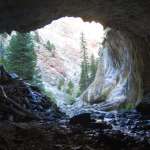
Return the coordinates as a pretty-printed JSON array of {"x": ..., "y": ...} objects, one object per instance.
[
  {"x": 88, "y": 67},
  {"x": 21, "y": 57}
]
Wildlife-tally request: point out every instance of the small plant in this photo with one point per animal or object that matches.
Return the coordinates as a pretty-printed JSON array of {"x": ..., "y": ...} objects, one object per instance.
[
  {"x": 50, "y": 46},
  {"x": 127, "y": 106},
  {"x": 70, "y": 88},
  {"x": 78, "y": 93},
  {"x": 70, "y": 99},
  {"x": 61, "y": 84},
  {"x": 49, "y": 94}
]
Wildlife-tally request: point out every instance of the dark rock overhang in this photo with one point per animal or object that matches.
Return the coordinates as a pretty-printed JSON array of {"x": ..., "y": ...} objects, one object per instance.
[
  {"x": 131, "y": 16},
  {"x": 26, "y": 15}
]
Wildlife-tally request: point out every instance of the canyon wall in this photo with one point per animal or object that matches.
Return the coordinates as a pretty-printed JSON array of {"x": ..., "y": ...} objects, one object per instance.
[
  {"x": 66, "y": 60},
  {"x": 118, "y": 80},
  {"x": 126, "y": 16}
]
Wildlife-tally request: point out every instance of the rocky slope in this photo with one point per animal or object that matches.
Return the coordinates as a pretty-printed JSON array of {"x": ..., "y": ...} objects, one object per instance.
[
  {"x": 123, "y": 15},
  {"x": 65, "y": 34},
  {"x": 118, "y": 79}
]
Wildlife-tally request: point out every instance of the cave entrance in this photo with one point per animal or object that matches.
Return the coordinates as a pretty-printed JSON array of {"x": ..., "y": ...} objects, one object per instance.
[
  {"x": 60, "y": 48},
  {"x": 69, "y": 42},
  {"x": 72, "y": 61}
]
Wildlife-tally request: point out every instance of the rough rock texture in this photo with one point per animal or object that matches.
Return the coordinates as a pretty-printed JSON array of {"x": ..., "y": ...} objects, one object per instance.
[
  {"x": 124, "y": 15},
  {"x": 51, "y": 136},
  {"x": 20, "y": 102},
  {"x": 118, "y": 79},
  {"x": 65, "y": 61},
  {"x": 144, "y": 106}
]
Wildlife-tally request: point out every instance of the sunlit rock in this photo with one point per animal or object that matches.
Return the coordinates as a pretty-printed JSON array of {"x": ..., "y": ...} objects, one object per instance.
[
  {"x": 65, "y": 34},
  {"x": 118, "y": 80}
]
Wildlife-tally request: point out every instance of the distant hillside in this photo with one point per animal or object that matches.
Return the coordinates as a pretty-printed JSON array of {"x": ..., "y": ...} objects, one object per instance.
[{"x": 65, "y": 35}]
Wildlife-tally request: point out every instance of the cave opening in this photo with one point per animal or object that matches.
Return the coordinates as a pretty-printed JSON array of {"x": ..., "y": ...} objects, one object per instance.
[
  {"x": 56, "y": 54},
  {"x": 112, "y": 112}
]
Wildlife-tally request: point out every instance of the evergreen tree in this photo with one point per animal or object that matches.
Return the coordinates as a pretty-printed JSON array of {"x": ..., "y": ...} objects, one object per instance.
[
  {"x": 84, "y": 79},
  {"x": 70, "y": 87},
  {"x": 51, "y": 47},
  {"x": 37, "y": 37},
  {"x": 3, "y": 36},
  {"x": 21, "y": 57},
  {"x": 92, "y": 68},
  {"x": 37, "y": 79},
  {"x": 61, "y": 84}
]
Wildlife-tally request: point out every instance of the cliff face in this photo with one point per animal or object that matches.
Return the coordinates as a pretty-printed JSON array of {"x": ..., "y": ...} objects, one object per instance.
[
  {"x": 118, "y": 79},
  {"x": 125, "y": 16},
  {"x": 65, "y": 34}
]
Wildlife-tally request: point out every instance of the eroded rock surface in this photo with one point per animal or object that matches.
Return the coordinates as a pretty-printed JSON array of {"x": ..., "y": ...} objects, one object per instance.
[
  {"x": 20, "y": 102},
  {"x": 29, "y": 121},
  {"x": 123, "y": 14},
  {"x": 118, "y": 80},
  {"x": 53, "y": 136}
]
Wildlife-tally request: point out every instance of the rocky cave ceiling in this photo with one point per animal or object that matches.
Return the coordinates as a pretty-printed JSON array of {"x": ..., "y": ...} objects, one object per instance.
[
  {"x": 25, "y": 15},
  {"x": 132, "y": 16}
]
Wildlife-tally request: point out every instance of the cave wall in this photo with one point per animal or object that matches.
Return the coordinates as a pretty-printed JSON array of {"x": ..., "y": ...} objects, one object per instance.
[
  {"x": 130, "y": 16},
  {"x": 118, "y": 82}
]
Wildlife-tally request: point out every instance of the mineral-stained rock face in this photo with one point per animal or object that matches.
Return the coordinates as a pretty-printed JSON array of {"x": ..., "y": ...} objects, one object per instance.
[{"x": 118, "y": 79}]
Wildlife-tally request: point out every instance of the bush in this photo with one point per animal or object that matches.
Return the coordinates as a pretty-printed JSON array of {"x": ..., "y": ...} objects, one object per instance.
[
  {"x": 70, "y": 99},
  {"x": 127, "y": 106},
  {"x": 50, "y": 46},
  {"x": 61, "y": 84},
  {"x": 70, "y": 88},
  {"x": 49, "y": 94}
]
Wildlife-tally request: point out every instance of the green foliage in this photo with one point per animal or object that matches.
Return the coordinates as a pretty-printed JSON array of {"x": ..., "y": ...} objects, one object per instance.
[
  {"x": 84, "y": 78},
  {"x": 50, "y": 46},
  {"x": 37, "y": 37},
  {"x": 61, "y": 84},
  {"x": 49, "y": 94},
  {"x": 3, "y": 37},
  {"x": 70, "y": 88},
  {"x": 37, "y": 81},
  {"x": 21, "y": 57},
  {"x": 78, "y": 93},
  {"x": 70, "y": 99},
  {"x": 88, "y": 68},
  {"x": 127, "y": 106}
]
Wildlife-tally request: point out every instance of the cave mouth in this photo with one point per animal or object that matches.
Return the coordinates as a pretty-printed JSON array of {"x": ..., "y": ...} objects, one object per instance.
[
  {"x": 59, "y": 53},
  {"x": 121, "y": 81},
  {"x": 105, "y": 60}
]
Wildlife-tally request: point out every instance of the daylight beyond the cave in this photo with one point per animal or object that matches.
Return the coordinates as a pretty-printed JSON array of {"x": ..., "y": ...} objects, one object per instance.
[
  {"x": 65, "y": 57},
  {"x": 61, "y": 68}
]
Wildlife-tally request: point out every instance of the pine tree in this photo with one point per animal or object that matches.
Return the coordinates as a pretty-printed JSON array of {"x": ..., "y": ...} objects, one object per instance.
[
  {"x": 84, "y": 79},
  {"x": 21, "y": 57},
  {"x": 3, "y": 37},
  {"x": 61, "y": 84},
  {"x": 51, "y": 47},
  {"x": 37, "y": 79},
  {"x": 70, "y": 87},
  {"x": 92, "y": 68},
  {"x": 37, "y": 37}
]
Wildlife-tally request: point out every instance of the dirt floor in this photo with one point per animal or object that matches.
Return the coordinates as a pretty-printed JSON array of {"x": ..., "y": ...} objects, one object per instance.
[{"x": 52, "y": 136}]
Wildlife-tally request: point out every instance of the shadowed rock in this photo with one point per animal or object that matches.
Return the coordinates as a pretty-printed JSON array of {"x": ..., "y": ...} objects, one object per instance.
[{"x": 18, "y": 102}]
